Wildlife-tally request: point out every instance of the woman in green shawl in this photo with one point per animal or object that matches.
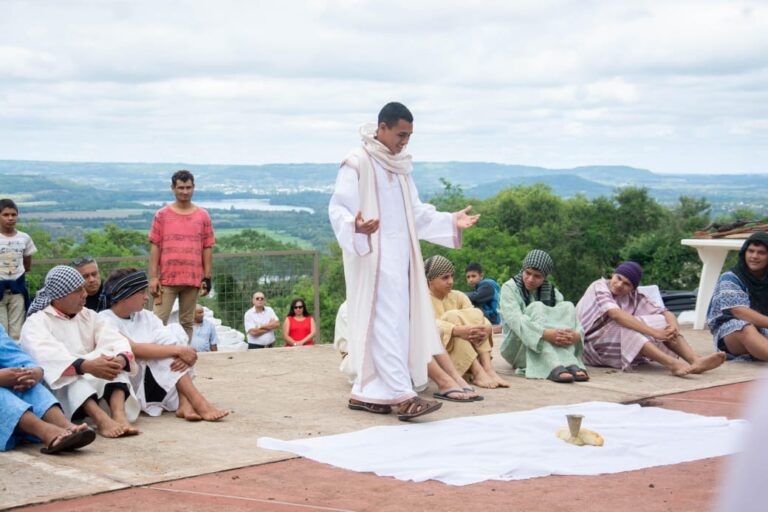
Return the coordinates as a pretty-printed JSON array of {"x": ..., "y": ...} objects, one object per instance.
[{"x": 542, "y": 338}]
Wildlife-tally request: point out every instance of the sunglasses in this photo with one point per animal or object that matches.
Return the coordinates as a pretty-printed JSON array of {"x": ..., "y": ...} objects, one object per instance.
[
  {"x": 298, "y": 307},
  {"x": 83, "y": 260}
]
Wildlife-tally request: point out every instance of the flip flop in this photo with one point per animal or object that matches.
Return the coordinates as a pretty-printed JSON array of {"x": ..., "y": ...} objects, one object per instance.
[
  {"x": 447, "y": 396},
  {"x": 357, "y": 405},
  {"x": 575, "y": 370},
  {"x": 71, "y": 441},
  {"x": 472, "y": 390},
  {"x": 557, "y": 371}
]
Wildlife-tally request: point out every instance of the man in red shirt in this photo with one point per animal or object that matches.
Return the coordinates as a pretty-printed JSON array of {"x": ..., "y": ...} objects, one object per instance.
[{"x": 181, "y": 253}]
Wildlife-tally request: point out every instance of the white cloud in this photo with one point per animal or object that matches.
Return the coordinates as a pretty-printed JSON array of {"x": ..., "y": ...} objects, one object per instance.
[{"x": 671, "y": 86}]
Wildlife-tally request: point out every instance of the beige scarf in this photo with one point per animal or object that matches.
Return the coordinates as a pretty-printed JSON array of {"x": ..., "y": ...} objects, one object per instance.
[
  {"x": 362, "y": 271},
  {"x": 400, "y": 163}
]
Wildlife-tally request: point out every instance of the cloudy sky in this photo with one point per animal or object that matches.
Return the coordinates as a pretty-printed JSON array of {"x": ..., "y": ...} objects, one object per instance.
[{"x": 672, "y": 86}]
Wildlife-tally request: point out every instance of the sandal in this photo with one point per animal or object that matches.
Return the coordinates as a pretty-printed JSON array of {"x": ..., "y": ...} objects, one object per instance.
[
  {"x": 472, "y": 390},
  {"x": 556, "y": 375},
  {"x": 450, "y": 396},
  {"x": 415, "y": 407},
  {"x": 357, "y": 405},
  {"x": 575, "y": 371},
  {"x": 70, "y": 440}
]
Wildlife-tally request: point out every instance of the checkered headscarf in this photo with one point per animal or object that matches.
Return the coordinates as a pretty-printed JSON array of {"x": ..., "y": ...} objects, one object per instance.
[
  {"x": 539, "y": 260},
  {"x": 436, "y": 266},
  {"x": 61, "y": 280}
]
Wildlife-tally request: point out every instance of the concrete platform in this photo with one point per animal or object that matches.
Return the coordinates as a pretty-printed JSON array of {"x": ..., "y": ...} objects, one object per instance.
[{"x": 292, "y": 393}]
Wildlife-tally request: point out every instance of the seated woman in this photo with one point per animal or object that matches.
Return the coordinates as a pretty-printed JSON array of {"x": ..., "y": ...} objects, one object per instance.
[
  {"x": 28, "y": 410},
  {"x": 542, "y": 338},
  {"x": 466, "y": 334},
  {"x": 298, "y": 327},
  {"x": 738, "y": 313},
  {"x": 624, "y": 328},
  {"x": 451, "y": 385},
  {"x": 164, "y": 380}
]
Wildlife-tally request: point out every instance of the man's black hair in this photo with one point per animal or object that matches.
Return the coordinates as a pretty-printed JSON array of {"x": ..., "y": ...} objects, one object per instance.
[
  {"x": 8, "y": 203},
  {"x": 182, "y": 175},
  {"x": 392, "y": 112}
]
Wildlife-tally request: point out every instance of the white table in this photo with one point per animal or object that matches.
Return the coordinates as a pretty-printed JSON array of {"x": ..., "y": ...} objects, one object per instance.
[{"x": 712, "y": 253}]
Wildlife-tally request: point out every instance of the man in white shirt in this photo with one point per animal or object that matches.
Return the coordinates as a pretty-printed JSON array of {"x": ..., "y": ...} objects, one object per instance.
[{"x": 260, "y": 323}]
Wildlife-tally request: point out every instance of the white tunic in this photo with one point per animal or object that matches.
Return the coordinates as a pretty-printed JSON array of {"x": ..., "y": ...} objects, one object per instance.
[
  {"x": 388, "y": 337},
  {"x": 145, "y": 327},
  {"x": 55, "y": 341}
]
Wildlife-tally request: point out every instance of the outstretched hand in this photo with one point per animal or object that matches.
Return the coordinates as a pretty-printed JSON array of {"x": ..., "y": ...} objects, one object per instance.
[
  {"x": 464, "y": 220},
  {"x": 365, "y": 227}
]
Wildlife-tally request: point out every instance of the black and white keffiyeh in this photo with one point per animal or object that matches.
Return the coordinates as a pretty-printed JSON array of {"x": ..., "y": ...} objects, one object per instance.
[{"x": 60, "y": 281}]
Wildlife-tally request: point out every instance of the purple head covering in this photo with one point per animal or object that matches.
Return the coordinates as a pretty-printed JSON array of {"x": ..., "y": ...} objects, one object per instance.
[{"x": 631, "y": 271}]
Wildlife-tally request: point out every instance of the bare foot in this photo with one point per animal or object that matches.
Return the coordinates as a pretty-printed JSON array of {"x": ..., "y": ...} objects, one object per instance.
[
  {"x": 188, "y": 413},
  {"x": 706, "y": 363},
  {"x": 499, "y": 381},
  {"x": 485, "y": 381},
  {"x": 210, "y": 413},
  {"x": 129, "y": 430},
  {"x": 109, "y": 428},
  {"x": 680, "y": 368}
]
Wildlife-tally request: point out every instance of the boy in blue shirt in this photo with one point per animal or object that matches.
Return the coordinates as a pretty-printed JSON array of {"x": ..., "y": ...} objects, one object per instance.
[{"x": 485, "y": 294}]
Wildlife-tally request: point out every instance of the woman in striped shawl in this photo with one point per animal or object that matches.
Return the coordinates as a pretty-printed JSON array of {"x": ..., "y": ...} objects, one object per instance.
[{"x": 625, "y": 328}]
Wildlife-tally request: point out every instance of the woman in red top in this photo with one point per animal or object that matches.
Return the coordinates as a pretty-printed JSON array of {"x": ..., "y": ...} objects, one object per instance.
[{"x": 298, "y": 327}]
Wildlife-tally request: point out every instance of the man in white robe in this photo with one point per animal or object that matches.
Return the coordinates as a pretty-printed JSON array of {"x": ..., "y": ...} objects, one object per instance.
[
  {"x": 164, "y": 380},
  {"x": 378, "y": 220},
  {"x": 85, "y": 361}
]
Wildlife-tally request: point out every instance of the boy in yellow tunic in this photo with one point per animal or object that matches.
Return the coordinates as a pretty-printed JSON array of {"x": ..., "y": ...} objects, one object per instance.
[{"x": 466, "y": 334}]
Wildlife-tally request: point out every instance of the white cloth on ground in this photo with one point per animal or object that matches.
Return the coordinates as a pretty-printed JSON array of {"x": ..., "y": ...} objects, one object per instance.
[
  {"x": 146, "y": 327},
  {"x": 521, "y": 445}
]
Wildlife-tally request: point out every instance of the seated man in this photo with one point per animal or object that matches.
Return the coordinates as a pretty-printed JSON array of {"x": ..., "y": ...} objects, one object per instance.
[
  {"x": 485, "y": 293},
  {"x": 89, "y": 269},
  {"x": 204, "y": 337},
  {"x": 163, "y": 381},
  {"x": 84, "y": 359},
  {"x": 542, "y": 338},
  {"x": 260, "y": 323},
  {"x": 451, "y": 385},
  {"x": 28, "y": 409},
  {"x": 624, "y": 328},
  {"x": 738, "y": 313},
  {"x": 466, "y": 334}
]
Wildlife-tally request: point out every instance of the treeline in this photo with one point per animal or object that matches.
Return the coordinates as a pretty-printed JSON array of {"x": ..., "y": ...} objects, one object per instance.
[{"x": 586, "y": 238}]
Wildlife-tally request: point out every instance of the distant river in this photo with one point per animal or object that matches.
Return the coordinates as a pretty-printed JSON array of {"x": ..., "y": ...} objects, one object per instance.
[{"x": 243, "y": 204}]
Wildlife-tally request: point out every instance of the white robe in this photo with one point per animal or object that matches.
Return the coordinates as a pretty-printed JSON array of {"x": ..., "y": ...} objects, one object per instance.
[
  {"x": 55, "y": 341},
  {"x": 381, "y": 323},
  {"x": 145, "y": 327}
]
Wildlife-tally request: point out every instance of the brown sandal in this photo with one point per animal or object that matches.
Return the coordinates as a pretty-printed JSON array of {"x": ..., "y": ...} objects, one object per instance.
[
  {"x": 415, "y": 407},
  {"x": 357, "y": 405}
]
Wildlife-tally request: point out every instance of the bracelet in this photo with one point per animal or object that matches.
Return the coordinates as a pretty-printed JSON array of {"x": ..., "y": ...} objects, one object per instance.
[{"x": 77, "y": 365}]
